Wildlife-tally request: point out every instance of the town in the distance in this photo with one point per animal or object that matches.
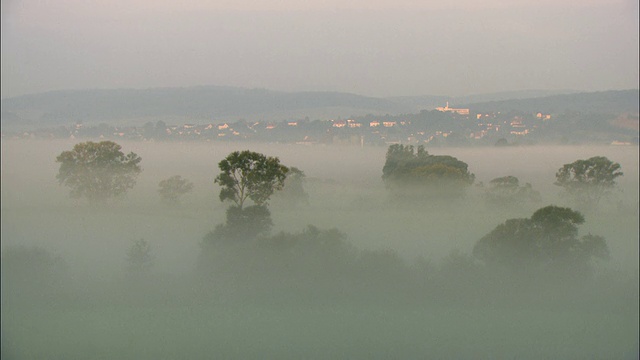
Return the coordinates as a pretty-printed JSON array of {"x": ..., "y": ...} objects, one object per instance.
[{"x": 565, "y": 119}]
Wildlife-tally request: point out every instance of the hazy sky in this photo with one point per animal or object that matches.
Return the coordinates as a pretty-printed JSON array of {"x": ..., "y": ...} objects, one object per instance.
[{"x": 379, "y": 47}]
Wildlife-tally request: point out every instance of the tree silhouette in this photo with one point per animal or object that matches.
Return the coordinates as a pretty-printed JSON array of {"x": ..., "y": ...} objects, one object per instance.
[
  {"x": 250, "y": 175},
  {"x": 548, "y": 239},
  {"x": 98, "y": 171},
  {"x": 588, "y": 181}
]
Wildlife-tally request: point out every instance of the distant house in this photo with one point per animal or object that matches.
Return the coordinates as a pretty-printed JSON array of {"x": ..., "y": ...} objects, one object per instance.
[
  {"x": 543, "y": 116},
  {"x": 457, "y": 111},
  {"x": 339, "y": 123},
  {"x": 353, "y": 124},
  {"x": 520, "y": 133},
  {"x": 517, "y": 123}
]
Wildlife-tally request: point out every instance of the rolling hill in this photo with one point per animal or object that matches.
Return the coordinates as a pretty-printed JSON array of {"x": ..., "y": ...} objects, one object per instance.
[{"x": 214, "y": 103}]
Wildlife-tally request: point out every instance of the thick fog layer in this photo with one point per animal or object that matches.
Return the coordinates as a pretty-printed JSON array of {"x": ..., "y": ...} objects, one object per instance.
[{"x": 399, "y": 283}]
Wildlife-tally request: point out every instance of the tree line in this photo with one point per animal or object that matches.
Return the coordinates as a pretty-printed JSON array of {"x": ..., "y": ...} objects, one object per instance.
[{"x": 546, "y": 243}]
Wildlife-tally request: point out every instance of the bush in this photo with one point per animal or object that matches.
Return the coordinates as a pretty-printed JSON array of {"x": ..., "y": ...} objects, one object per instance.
[{"x": 32, "y": 274}]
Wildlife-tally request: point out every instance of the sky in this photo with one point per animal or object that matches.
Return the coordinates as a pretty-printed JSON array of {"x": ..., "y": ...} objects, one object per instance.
[{"x": 368, "y": 47}]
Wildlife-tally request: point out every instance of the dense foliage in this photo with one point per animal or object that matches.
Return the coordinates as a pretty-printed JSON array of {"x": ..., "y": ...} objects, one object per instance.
[
  {"x": 547, "y": 240},
  {"x": 98, "y": 171},
  {"x": 414, "y": 170},
  {"x": 250, "y": 175},
  {"x": 241, "y": 224},
  {"x": 588, "y": 181},
  {"x": 173, "y": 188},
  {"x": 506, "y": 190},
  {"x": 293, "y": 192}
]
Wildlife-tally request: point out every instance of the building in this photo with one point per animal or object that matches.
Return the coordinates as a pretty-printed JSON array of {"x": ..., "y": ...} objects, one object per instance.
[{"x": 457, "y": 111}]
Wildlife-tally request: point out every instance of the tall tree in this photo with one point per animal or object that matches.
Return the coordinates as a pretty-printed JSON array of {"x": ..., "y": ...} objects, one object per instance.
[
  {"x": 250, "y": 175},
  {"x": 98, "y": 171},
  {"x": 588, "y": 181},
  {"x": 246, "y": 176}
]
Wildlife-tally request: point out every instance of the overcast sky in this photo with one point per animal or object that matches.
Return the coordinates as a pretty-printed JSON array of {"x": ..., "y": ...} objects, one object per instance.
[{"x": 368, "y": 47}]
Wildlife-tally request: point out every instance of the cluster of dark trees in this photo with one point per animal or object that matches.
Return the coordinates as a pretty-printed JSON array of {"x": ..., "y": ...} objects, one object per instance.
[
  {"x": 409, "y": 171},
  {"x": 243, "y": 252},
  {"x": 316, "y": 259}
]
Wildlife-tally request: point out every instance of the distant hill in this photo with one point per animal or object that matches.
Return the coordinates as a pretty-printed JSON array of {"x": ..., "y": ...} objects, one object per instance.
[
  {"x": 429, "y": 102},
  {"x": 215, "y": 103},
  {"x": 604, "y": 102},
  {"x": 192, "y": 104}
]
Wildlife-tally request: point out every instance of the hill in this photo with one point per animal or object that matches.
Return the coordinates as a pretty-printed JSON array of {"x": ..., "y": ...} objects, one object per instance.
[
  {"x": 205, "y": 104},
  {"x": 428, "y": 102},
  {"x": 604, "y": 102},
  {"x": 193, "y": 104}
]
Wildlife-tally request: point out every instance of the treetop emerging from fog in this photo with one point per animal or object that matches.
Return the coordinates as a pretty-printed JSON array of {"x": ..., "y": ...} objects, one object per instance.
[
  {"x": 98, "y": 171},
  {"x": 408, "y": 166},
  {"x": 587, "y": 181},
  {"x": 549, "y": 239},
  {"x": 250, "y": 175}
]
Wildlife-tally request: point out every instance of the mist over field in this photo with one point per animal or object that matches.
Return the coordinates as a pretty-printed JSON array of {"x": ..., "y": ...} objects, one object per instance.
[
  {"x": 399, "y": 281},
  {"x": 266, "y": 196}
]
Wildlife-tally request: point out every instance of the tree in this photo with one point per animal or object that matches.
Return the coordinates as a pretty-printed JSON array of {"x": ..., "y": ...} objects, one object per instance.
[
  {"x": 161, "y": 130},
  {"x": 588, "y": 181},
  {"x": 173, "y": 188},
  {"x": 506, "y": 190},
  {"x": 549, "y": 239},
  {"x": 98, "y": 171},
  {"x": 293, "y": 191},
  {"x": 250, "y": 175},
  {"x": 242, "y": 224},
  {"x": 139, "y": 258},
  {"x": 247, "y": 175},
  {"x": 416, "y": 170},
  {"x": 32, "y": 274}
]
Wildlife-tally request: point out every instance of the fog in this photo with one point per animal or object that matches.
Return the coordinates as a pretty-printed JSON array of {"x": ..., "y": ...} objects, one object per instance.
[{"x": 400, "y": 284}]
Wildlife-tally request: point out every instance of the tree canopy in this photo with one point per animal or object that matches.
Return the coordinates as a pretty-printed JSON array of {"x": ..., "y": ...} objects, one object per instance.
[
  {"x": 171, "y": 189},
  {"x": 548, "y": 238},
  {"x": 293, "y": 192},
  {"x": 247, "y": 175},
  {"x": 98, "y": 171},
  {"x": 242, "y": 224},
  {"x": 250, "y": 175},
  {"x": 587, "y": 181},
  {"x": 408, "y": 167},
  {"x": 506, "y": 190},
  {"x": 139, "y": 257}
]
